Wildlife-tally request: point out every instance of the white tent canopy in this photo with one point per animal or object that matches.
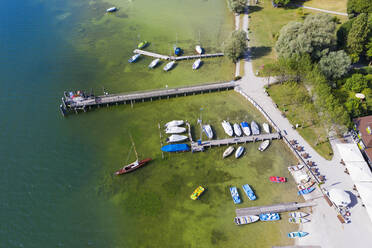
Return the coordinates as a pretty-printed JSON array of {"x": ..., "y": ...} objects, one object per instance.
[{"x": 339, "y": 197}]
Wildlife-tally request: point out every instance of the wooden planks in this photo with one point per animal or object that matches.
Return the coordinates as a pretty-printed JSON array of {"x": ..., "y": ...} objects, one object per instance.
[
  {"x": 276, "y": 208},
  {"x": 176, "y": 58}
]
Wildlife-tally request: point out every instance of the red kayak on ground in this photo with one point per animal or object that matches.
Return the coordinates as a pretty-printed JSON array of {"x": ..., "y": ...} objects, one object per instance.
[
  {"x": 278, "y": 179},
  {"x": 131, "y": 167}
]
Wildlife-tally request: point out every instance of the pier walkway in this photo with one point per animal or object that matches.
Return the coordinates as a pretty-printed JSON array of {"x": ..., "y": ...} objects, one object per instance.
[
  {"x": 276, "y": 208},
  {"x": 176, "y": 58}
]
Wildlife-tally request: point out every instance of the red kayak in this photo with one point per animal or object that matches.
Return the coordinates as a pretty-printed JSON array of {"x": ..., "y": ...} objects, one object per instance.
[
  {"x": 133, "y": 166},
  {"x": 278, "y": 179}
]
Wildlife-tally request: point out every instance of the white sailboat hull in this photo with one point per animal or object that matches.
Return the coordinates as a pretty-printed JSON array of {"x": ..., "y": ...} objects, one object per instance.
[
  {"x": 176, "y": 138},
  {"x": 237, "y": 130},
  {"x": 228, "y": 129},
  {"x": 174, "y": 123},
  {"x": 175, "y": 130}
]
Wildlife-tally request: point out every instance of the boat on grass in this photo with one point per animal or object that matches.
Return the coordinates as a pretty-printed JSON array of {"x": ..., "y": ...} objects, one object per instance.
[
  {"x": 169, "y": 66},
  {"x": 242, "y": 220},
  {"x": 235, "y": 195},
  {"x": 305, "y": 191},
  {"x": 207, "y": 129},
  {"x": 298, "y": 214},
  {"x": 174, "y": 123},
  {"x": 245, "y": 127},
  {"x": 306, "y": 185},
  {"x": 176, "y": 148},
  {"x": 197, "y": 192},
  {"x": 239, "y": 152},
  {"x": 111, "y": 10},
  {"x": 154, "y": 63},
  {"x": 199, "y": 49},
  {"x": 278, "y": 179},
  {"x": 297, "y": 234},
  {"x": 269, "y": 217},
  {"x": 237, "y": 130},
  {"x": 177, "y": 50},
  {"x": 134, "y": 58},
  {"x": 255, "y": 128},
  {"x": 265, "y": 144},
  {"x": 176, "y": 138},
  {"x": 175, "y": 129},
  {"x": 227, "y": 127},
  {"x": 295, "y": 167},
  {"x": 266, "y": 127},
  {"x": 249, "y": 192},
  {"x": 228, "y": 151},
  {"x": 142, "y": 44},
  {"x": 297, "y": 220},
  {"x": 196, "y": 64}
]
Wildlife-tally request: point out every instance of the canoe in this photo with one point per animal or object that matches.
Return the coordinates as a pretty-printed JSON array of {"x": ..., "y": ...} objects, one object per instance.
[
  {"x": 176, "y": 138},
  {"x": 255, "y": 128},
  {"x": 264, "y": 145},
  {"x": 207, "y": 129},
  {"x": 142, "y": 44},
  {"x": 239, "y": 151},
  {"x": 269, "y": 217},
  {"x": 169, "y": 66},
  {"x": 266, "y": 127},
  {"x": 154, "y": 63},
  {"x": 235, "y": 195},
  {"x": 176, "y": 148},
  {"x": 112, "y": 9},
  {"x": 297, "y": 220},
  {"x": 305, "y": 191},
  {"x": 173, "y": 130},
  {"x": 174, "y": 123},
  {"x": 245, "y": 127},
  {"x": 295, "y": 167},
  {"x": 278, "y": 179},
  {"x": 196, "y": 64},
  {"x": 228, "y": 151},
  {"x": 237, "y": 130},
  {"x": 297, "y": 234},
  {"x": 227, "y": 127},
  {"x": 134, "y": 58},
  {"x": 298, "y": 214},
  {"x": 199, "y": 49},
  {"x": 197, "y": 192},
  {"x": 249, "y": 192},
  {"x": 242, "y": 220}
]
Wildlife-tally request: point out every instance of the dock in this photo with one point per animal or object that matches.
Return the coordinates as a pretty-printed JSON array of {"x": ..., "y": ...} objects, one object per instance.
[
  {"x": 87, "y": 102},
  {"x": 276, "y": 208},
  {"x": 176, "y": 58}
]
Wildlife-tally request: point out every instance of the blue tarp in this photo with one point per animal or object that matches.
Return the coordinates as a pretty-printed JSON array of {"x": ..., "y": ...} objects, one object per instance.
[{"x": 176, "y": 148}]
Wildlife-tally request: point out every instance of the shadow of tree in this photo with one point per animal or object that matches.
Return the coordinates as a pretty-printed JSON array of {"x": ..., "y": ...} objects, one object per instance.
[
  {"x": 253, "y": 8},
  {"x": 257, "y": 52}
]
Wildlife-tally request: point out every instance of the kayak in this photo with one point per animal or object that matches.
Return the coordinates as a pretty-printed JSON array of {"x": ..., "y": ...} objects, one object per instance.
[
  {"x": 278, "y": 179},
  {"x": 242, "y": 220}
]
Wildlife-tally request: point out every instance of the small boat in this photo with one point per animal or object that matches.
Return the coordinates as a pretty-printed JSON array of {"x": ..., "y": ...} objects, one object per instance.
[
  {"x": 199, "y": 49},
  {"x": 295, "y": 167},
  {"x": 227, "y": 127},
  {"x": 176, "y": 148},
  {"x": 235, "y": 195},
  {"x": 305, "y": 191},
  {"x": 278, "y": 179},
  {"x": 269, "y": 217},
  {"x": 297, "y": 220},
  {"x": 112, "y": 9},
  {"x": 237, "y": 130},
  {"x": 298, "y": 214},
  {"x": 242, "y": 220},
  {"x": 207, "y": 129},
  {"x": 266, "y": 127},
  {"x": 142, "y": 44},
  {"x": 169, "y": 66},
  {"x": 174, "y": 123},
  {"x": 228, "y": 151},
  {"x": 255, "y": 128},
  {"x": 173, "y": 130},
  {"x": 306, "y": 185},
  {"x": 264, "y": 145},
  {"x": 176, "y": 138},
  {"x": 134, "y": 58},
  {"x": 297, "y": 234},
  {"x": 154, "y": 63},
  {"x": 196, "y": 64},
  {"x": 177, "y": 51},
  {"x": 239, "y": 151},
  {"x": 197, "y": 192},
  {"x": 245, "y": 127},
  {"x": 249, "y": 192}
]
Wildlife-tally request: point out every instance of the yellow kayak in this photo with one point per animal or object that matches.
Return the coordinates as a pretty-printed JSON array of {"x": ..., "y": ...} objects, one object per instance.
[{"x": 197, "y": 192}]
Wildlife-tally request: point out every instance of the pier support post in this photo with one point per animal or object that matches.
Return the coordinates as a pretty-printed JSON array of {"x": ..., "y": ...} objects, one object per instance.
[
  {"x": 151, "y": 99},
  {"x": 143, "y": 99},
  {"x": 131, "y": 103}
]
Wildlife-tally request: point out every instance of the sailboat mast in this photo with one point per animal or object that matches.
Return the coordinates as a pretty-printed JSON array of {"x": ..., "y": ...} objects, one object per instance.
[{"x": 134, "y": 146}]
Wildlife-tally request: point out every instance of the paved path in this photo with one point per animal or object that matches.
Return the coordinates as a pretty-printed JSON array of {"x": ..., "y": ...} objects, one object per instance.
[
  {"x": 237, "y": 65},
  {"x": 325, "y": 229},
  {"x": 323, "y": 10}
]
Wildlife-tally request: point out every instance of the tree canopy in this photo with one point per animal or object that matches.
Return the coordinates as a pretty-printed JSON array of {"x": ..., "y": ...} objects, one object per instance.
[
  {"x": 357, "y": 36},
  {"x": 237, "y": 6},
  {"x": 236, "y": 46},
  {"x": 281, "y": 2},
  {"x": 335, "y": 64},
  {"x": 356, "y": 83},
  {"x": 355, "y": 7}
]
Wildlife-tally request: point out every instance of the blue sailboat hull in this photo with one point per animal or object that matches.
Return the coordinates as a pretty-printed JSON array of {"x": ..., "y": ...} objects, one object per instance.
[{"x": 176, "y": 148}]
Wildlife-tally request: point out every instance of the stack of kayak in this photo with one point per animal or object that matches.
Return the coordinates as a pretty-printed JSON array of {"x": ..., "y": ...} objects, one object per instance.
[{"x": 173, "y": 127}]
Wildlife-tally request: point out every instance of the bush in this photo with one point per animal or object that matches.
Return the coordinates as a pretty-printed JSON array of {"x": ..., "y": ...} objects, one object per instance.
[
  {"x": 356, "y": 83},
  {"x": 335, "y": 64},
  {"x": 237, "y": 6}
]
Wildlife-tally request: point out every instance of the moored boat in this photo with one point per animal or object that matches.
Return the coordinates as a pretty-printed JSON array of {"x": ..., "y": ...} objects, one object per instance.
[
  {"x": 174, "y": 123},
  {"x": 134, "y": 58},
  {"x": 112, "y": 9},
  {"x": 142, "y": 44},
  {"x": 131, "y": 167},
  {"x": 297, "y": 220},
  {"x": 199, "y": 49},
  {"x": 255, "y": 128},
  {"x": 237, "y": 130},
  {"x": 278, "y": 179},
  {"x": 196, "y": 64},
  {"x": 177, "y": 50},
  {"x": 176, "y": 138},
  {"x": 235, "y": 195},
  {"x": 176, "y": 148},
  {"x": 154, "y": 63},
  {"x": 207, "y": 129},
  {"x": 298, "y": 214},
  {"x": 266, "y": 127},
  {"x": 227, "y": 127},
  {"x": 169, "y": 66},
  {"x": 197, "y": 192},
  {"x": 228, "y": 151},
  {"x": 264, "y": 145},
  {"x": 269, "y": 217},
  {"x": 239, "y": 152},
  {"x": 305, "y": 191},
  {"x": 249, "y": 192},
  {"x": 175, "y": 130},
  {"x": 297, "y": 234},
  {"x": 245, "y": 127},
  {"x": 242, "y": 220}
]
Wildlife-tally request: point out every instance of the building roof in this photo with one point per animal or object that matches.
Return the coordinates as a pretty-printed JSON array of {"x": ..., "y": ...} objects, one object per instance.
[{"x": 364, "y": 126}]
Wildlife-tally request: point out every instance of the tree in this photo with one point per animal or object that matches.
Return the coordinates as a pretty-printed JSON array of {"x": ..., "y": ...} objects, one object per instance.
[
  {"x": 355, "y": 7},
  {"x": 281, "y": 2},
  {"x": 236, "y": 46},
  {"x": 335, "y": 64},
  {"x": 315, "y": 36},
  {"x": 369, "y": 50},
  {"x": 356, "y": 83},
  {"x": 237, "y": 6},
  {"x": 342, "y": 34},
  {"x": 357, "y": 36}
]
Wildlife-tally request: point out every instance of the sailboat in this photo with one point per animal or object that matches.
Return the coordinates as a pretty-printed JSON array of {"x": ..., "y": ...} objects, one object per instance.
[{"x": 135, "y": 165}]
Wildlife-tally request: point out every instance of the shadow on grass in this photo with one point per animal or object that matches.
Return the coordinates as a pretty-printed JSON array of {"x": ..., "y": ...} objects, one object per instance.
[
  {"x": 253, "y": 8},
  {"x": 258, "y": 52}
]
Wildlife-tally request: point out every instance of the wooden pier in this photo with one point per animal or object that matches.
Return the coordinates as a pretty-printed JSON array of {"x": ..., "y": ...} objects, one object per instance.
[
  {"x": 276, "y": 208},
  {"x": 176, "y": 58},
  {"x": 140, "y": 96}
]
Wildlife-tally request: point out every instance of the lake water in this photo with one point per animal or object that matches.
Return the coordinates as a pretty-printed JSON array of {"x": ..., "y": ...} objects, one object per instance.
[{"x": 58, "y": 188}]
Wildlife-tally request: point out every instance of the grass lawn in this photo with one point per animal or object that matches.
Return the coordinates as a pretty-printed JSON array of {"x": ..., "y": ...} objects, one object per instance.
[
  {"x": 334, "y": 5},
  {"x": 312, "y": 129}
]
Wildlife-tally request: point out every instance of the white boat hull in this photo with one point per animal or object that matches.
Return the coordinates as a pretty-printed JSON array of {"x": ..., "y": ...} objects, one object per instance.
[
  {"x": 228, "y": 129},
  {"x": 266, "y": 127},
  {"x": 176, "y": 138},
  {"x": 199, "y": 49},
  {"x": 174, "y": 123},
  {"x": 264, "y": 145},
  {"x": 237, "y": 130},
  {"x": 208, "y": 131},
  {"x": 168, "y": 66},
  {"x": 154, "y": 63},
  {"x": 196, "y": 64},
  {"x": 239, "y": 152},
  {"x": 228, "y": 151},
  {"x": 175, "y": 130}
]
